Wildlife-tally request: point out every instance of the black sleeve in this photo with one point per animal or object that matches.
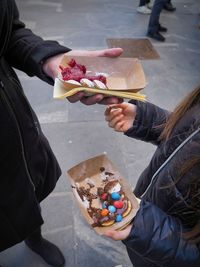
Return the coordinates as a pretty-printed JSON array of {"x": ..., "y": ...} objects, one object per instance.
[
  {"x": 26, "y": 51},
  {"x": 148, "y": 122}
]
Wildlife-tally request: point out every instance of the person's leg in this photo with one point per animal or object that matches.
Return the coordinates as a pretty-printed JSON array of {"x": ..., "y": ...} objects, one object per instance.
[
  {"x": 149, "y": 4},
  {"x": 48, "y": 251},
  {"x": 142, "y": 3},
  {"x": 169, "y": 7},
  {"x": 143, "y": 8},
  {"x": 154, "y": 25},
  {"x": 155, "y": 15}
]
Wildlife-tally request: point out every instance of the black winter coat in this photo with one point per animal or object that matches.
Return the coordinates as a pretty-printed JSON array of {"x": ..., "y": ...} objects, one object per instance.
[
  {"x": 165, "y": 213},
  {"x": 29, "y": 170}
]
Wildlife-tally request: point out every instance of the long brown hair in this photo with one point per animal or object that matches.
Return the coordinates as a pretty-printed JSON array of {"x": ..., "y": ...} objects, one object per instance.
[
  {"x": 187, "y": 103},
  {"x": 192, "y": 99}
]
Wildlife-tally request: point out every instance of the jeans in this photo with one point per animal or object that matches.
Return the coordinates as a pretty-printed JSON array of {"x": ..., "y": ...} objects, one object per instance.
[
  {"x": 144, "y": 2},
  {"x": 155, "y": 15}
]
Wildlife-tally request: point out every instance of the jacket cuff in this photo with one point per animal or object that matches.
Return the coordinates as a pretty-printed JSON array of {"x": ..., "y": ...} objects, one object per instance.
[
  {"x": 47, "y": 49},
  {"x": 134, "y": 233},
  {"x": 132, "y": 132}
]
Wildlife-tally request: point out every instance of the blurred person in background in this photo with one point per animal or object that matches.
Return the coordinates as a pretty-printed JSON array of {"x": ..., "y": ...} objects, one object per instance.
[
  {"x": 145, "y": 6},
  {"x": 155, "y": 28}
]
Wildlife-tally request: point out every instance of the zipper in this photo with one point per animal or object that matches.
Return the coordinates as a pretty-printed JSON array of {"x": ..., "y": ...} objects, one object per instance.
[
  {"x": 9, "y": 104},
  {"x": 18, "y": 85},
  {"x": 153, "y": 179}
]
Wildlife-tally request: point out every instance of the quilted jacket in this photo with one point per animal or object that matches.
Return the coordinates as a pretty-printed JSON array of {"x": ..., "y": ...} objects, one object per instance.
[{"x": 167, "y": 209}]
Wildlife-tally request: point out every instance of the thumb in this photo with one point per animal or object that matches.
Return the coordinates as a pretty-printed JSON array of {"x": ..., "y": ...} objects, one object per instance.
[{"x": 112, "y": 52}]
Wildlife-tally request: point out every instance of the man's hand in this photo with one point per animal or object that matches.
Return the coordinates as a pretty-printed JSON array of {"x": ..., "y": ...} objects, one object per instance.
[{"x": 51, "y": 68}]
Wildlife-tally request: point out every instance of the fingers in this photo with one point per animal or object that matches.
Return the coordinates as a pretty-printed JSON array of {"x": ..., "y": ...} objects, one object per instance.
[
  {"x": 116, "y": 120},
  {"x": 110, "y": 100},
  {"x": 87, "y": 100},
  {"x": 75, "y": 98},
  {"x": 114, "y": 117},
  {"x": 95, "y": 99},
  {"x": 119, "y": 127},
  {"x": 107, "y": 111},
  {"x": 119, "y": 235},
  {"x": 112, "y": 113},
  {"x": 111, "y": 108},
  {"x": 115, "y": 106},
  {"x": 91, "y": 100},
  {"x": 100, "y": 99}
]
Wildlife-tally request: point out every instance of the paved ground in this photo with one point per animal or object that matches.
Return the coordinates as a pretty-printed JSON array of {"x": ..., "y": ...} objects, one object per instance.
[{"x": 77, "y": 132}]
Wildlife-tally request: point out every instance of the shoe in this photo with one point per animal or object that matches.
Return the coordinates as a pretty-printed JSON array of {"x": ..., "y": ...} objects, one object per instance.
[
  {"x": 157, "y": 36},
  {"x": 48, "y": 251},
  {"x": 162, "y": 28},
  {"x": 143, "y": 10},
  {"x": 149, "y": 5},
  {"x": 169, "y": 7}
]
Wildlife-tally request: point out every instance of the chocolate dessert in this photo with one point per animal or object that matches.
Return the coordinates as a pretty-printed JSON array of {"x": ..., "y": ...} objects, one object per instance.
[{"x": 106, "y": 203}]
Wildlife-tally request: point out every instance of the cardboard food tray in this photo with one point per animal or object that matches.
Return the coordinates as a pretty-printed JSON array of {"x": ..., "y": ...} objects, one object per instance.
[
  {"x": 91, "y": 169},
  {"x": 125, "y": 77}
]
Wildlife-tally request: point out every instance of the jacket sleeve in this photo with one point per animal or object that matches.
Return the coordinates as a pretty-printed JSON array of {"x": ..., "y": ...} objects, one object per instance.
[
  {"x": 156, "y": 237},
  {"x": 148, "y": 122},
  {"x": 26, "y": 51}
]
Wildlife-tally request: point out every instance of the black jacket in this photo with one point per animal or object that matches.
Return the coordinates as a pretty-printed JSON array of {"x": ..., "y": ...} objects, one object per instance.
[
  {"x": 165, "y": 212},
  {"x": 29, "y": 170}
]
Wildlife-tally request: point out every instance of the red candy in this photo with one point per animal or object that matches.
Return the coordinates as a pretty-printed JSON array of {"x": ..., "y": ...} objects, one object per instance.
[
  {"x": 104, "y": 196},
  {"x": 118, "y": 204}
]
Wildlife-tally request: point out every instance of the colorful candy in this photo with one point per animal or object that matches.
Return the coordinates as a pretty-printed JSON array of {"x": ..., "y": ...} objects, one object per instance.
[
  {"x": 118, "y": 218},
  {"x": 105, "y": 204},
  {"x": 115, "y": 196},
  {"x": 111, "y": 208},
  {"x": 115, "y": 210},
  {"x": 104, "y": 196},
  {"x": 118, "y": 204},
  {"x": 104, "y": 212}
]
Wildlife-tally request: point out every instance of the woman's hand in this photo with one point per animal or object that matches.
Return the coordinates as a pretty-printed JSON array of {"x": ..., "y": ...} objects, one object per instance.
[
  {"x": 119, "y": 235},
  {"x": 120, "y": 117},
  {"x": 51, "y": 68}
]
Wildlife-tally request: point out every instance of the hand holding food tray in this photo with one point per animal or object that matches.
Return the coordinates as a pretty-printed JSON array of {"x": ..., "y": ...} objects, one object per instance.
[
  {"x": 120, "y": 77},
  {"x": 103, "y": 195}
]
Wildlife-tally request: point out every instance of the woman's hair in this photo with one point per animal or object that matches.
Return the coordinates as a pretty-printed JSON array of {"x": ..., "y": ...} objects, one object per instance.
[{"x": 186, "y": 104}]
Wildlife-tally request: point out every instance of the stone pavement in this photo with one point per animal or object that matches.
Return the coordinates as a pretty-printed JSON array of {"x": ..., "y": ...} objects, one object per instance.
[{"x": 77, "y": 132}]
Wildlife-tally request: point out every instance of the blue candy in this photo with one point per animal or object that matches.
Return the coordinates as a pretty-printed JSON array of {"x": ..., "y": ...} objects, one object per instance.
[
  {"x": 104, "y": 205},
  {"x": 111, "y": 208},
  {"x": 115, "y": 196},
  {"x": 118, "y": 218}
]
